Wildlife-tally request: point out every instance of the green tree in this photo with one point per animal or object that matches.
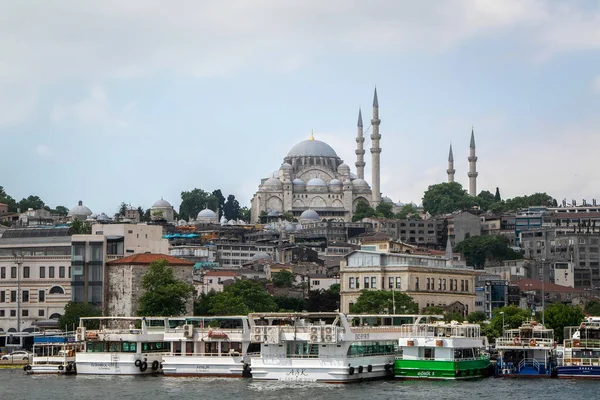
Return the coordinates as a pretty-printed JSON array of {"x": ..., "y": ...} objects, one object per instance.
[
  {"x": 218, "y": 201},
  {"x": 253, "y": 295},
  {"x": 592, "y": 307},
  {"x": 245, "y": 214},
  {"x": 5, "y": 198},
  {"x": 164, "y": 294},
  {"x": 148, "y": 214},
  {"x": 231, "y": 209},
  {"x": 497, "y": 196},
  {"x": 485, "y": 199},
  {"x": 479, "y": 249},
  {"x": 123, "y": 209},
  {"x": 453, "y": 316},
  {"x": 433, "y": 310},
  {"x": 194, "y": 201},
  {"x": 324, "y": 300},
  {"x": 140, "y": 211},
  {"x": 363, "y": 210},
  {"x": 202, "y": 304},
  {"x": 283, "y": 278},
  {"x": 444, "y": 198},
  {"x": 81, "y": 227},
  {"x": 380, "y": 302},
  {"x": 33, "y": 202},
  {"x": 384, "y": 210},
  {"x": 291, "y": 304},
  {"x": 408, "y": 211},
  {"x": 61, "y": 210},
  {"x": 74, "y": 311},
  {"x": 513, "y": 318},
  {"x": 476, "y": 317},
  {"x": 227, "y": 303},
  {"x": 559, "y": 315}
]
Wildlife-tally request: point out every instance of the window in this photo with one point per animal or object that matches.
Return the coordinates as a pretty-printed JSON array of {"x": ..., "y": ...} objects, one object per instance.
[
  {"x": 69, "y": 272},
  {"x": 351, "y": 283},
  {"x": 51, "y": 272},
  {"x": 42, "y": 272},
  {"x": 13, "y": 313},
  {"x": 13, "y": 296},
  {"x": 316, "y": 283},
  {"x": 367, "y": 282},
  {"x": 2, "y": 296},
  {"x": 374, "y": 282},
  {"x": 357, "y": 282},
  {"x": 61, "y": 272},
  {"x": 25, "y": 296},
  {"x": 398, "y": 283},
  {"x": 439, "y": 283},
  {"x": 444, "y": 282},
  {"x": 25, "y": 313},
  {"x": 466, "y": 286},
  {"x": 390, "y": 282},
  {"x": 40, "y": 313},
  {"x": 57, "y": 290},
  {"x": 462, "y": 285},
  {"x": 428, "y": 284},
  {"x": 2, "y": 314},
  {"x": 416, "y": 283},
  {"x": 41, "y": 296},
  {"x": 13, "y": 272},
  {"x": 3, "y": 273},
  {"x": 25, "y": 272}
]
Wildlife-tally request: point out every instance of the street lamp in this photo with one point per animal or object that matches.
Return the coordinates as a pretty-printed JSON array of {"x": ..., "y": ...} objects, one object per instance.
[
  {"x": 19, "y": 262},
  {"x": 502, "y": 313}
]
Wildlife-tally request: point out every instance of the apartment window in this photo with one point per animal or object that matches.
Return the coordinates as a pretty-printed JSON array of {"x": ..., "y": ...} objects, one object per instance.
[
  {"x": 373, "y": 282},
  {"x": 462, "y": 285},
  {"x": 367, "y": 282},
  {"x": 42, "y": 272},
  {"x": 444, "y": 282},
  {"x": 3, "y": 273},
  {"x": 416, "y": 283},
  {"x": 351, "y": 283},
  {"x": 69, "y": 272},
  {"x": 466, "y": 286},
  {"x": 61, "y": 272},
  {"x": 25, "y": 296},
  {"x": 439, "y": 283},
  {"x": 41, "y": 313},
  {"x": 13, "y": 313},
  {"x": 428, "y": 286},
  {"x": 391, "y": 282},
  {"x": 25, "y": 313},
  {"x": 398, "y": 283},
  {"x": 41, "y": 296},
  {"x": 51, "y": 272},
  {"x": 13, "y": 296},
  {"x": 316, "y": 283},
  {"x": 25, "y": 272},
  {"x": 2, "y": 296},
  {"x": 2, "y": 314},
  {"x": 13, "y": 272},
  {"x": 357, "y": 282}
]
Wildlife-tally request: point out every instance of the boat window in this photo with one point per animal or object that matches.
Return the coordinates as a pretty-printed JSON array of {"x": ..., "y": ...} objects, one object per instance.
[
  {"x": 155, "y": 346},
  {"x": 211, "y": 347},
  {"x": 429, "y": 353},
  {"x": 360, "y": 349},
  {"x": 467, "y": 353},
  {"x": 114, "y": 347},
  {"x": 302, "y": 349},
  {"x": 94, "y": 347},
  {"x": 129, "y": 347},
  {"x": 458, "y": 353}
]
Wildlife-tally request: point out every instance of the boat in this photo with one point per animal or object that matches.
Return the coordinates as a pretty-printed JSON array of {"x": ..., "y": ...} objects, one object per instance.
[
  {"x": 440, "y": 350},
  {"x": 121, "y": 345},
  {"x": 53, "y": 355},
  {"x": 527, "y": 351},
  {"x": 581, "y": 351},
  {"x": 323, "y": 347},
  {"x": 208, "y": 346}
]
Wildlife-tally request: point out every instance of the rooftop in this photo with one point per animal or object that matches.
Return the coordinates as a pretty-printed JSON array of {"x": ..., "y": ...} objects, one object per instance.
[{"x": 147, "y": 258}]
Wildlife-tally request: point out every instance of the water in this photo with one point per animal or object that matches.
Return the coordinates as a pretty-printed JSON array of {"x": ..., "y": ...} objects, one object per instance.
[{"x": 15, "y": 384}]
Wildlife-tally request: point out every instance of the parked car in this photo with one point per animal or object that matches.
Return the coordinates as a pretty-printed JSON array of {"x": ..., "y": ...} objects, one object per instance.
[{"x": 18, "y": 355}]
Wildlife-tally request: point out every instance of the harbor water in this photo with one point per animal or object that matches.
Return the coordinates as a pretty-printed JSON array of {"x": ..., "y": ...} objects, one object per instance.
[{"x": 15, "y": 384}]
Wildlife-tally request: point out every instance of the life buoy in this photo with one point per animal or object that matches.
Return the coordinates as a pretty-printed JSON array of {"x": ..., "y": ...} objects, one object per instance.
[
  {"x": 138, "y": 363},
  {"x": 160, "y": 366},
  {"x": 517, "y": 340},
  {"x": 69, "y": 367},
  {"x": 25, "y": 368},
  {"x": 388, "y": 367},
  {"x": 60, "y": 367},
  {"x": 155, "y": 365},
  {"x": 369, "y": 368},
  {"x": 143, "y": 366},
  {"x": 360, "y": 369},
  {"x": 532, "y": 342},
  {"x": 351, "y": 371}
]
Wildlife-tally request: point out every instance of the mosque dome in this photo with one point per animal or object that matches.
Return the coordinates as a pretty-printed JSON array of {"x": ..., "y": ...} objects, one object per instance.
[
  {"x": 161, "y": 203},
  {"x": 312, "y": 148},
  {"x": 207, "y": 213},
  {"x": 286, "y": 166},
  {"x": 316, "y": 182},
  {"x": 309, "y": 215},
  {"x": 335, "y": 182},
  {"x": 298, "y": 182},
  {"x": 353, "y": 176},
  {"x": 261, "y": 256},
  {"x": 80, "y": 210},
  {"x": 360, "y": 183},
  {"x": 272, "y": 183},
  {"x": 102, "y": 217},
  {"x": 335, "y": 185},
  {"x": 386, "y": 199},
  {"x": 343, "y": 169}
]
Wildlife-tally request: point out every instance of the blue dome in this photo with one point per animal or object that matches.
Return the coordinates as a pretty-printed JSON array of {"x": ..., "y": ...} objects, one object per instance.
[
  {"x": 298, "y": 182},
  {"x": 316, "y": 182},
  {"x": 312, "y": 148},
  {"x": 310, "y": 215}
]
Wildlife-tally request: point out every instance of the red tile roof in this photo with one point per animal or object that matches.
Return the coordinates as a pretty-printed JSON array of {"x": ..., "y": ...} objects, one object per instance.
[
  {"x": 534, "y": 284},
  {"x": 147, "y": 259},
  {"x": 220, "y": 273}
]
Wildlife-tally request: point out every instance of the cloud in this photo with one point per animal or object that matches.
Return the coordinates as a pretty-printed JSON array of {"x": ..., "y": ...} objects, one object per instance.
[
  {"x": 43, "y": 151},
  {"x": 596, "y": 84}
]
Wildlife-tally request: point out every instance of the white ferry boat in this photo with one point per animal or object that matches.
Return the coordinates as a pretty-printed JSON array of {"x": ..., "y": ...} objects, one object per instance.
[
  {"x": 324, "y": 347},
  {"x": 528, "y": 351},
  {"x": 53, "y": 355},
  {"x": 208, "y": 346},
  {"x": 581, "y": 352},
  {"x": 440, "y": 350},
  {"x": 121, "y": 345}
]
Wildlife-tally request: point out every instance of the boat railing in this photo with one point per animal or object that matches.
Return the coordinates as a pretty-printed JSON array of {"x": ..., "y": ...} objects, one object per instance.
[
  {"x": 525, "y": 342},
  {"x": 325, "y": 356},
  {"x": 180, "y": 329},
  {"x": 228, "y": 354},
  {"x": 481, "y": 357},
  {"x": 375, "y": 329},
  {"x": 583, "y": 343}
]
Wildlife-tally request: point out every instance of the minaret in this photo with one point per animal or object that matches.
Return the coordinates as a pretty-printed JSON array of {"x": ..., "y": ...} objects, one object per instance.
[
  {"x": 360, "y": 151},
  {"x": 375, "y": 151},
  {"x": 472, "y": 166},
  {"x": 450, "y": 169}
]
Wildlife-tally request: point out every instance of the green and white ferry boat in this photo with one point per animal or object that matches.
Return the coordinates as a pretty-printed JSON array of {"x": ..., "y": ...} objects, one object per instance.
[{"x": 441, "y": 350}]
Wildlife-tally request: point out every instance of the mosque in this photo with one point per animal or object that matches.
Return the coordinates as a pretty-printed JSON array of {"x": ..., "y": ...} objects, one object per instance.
[{"x": 314, "y": 183}]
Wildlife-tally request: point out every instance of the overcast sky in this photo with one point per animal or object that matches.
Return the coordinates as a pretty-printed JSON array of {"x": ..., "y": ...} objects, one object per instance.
[{"x": 113, "y": 101}]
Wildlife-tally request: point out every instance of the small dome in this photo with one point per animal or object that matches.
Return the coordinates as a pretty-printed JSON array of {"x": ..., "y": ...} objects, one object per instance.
[
  {"x": 272, "y": 183},
  {"x": 102, "y": 217},
  {"x": 298, "y": 182},
  {"x": 400, "y": 204},
  {"x": 316, "y": 182},
  {"x": 261, "y": 256},
  {"x": 335, "y": 182},
  {"x": 360, "y": 183},
  {"x": 353, "y": 176},
  {"x": 161, "y": 203},
  {"x": 386, "y": 199},
  {"x": 80, "y": 210},
  {"x": 312, "y": 148},
  {"x": 290, "y": 228},
  {"x": 273, "y": 213},
  {"x": 286, "y": 167},
  {"x": 207, "y": 213},
  {"x": 343, "y": 169},
  {"x": 310, "y": 215}
]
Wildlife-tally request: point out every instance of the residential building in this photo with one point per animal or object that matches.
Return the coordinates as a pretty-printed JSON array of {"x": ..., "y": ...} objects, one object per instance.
[
  {"x": 3, "y": 208},
  {"x": 428, "y": 280},
  {"x": 463, "y": 225},
  {"x": 234, "y": 255},
  {"x": 214, "y": 280},
  {"x": 123, "y": 287}
]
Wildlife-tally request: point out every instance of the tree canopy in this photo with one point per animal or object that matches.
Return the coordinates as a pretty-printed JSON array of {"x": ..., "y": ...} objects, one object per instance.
[
  {"x": 479, "y": 249},
  {"x": 81, "y": 227},
  {"x": 74, "y": 311},
  {"x": 558, "y": 316},
  {"x": 239, "y": 298},
  {"x": 324, "y": 299},
  {"x": 444, "y": 198},
  {"x": 514, "y": 317},
  {"x": 283, "y": 278},
  {"x": 164, "y": 295},
  {"x": 380, "y": 302},
  {"x": 592, "y": 307},
  {"x": 231, "y": 208}
]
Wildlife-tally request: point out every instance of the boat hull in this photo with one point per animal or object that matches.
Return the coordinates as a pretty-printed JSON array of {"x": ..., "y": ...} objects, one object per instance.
[
  {"x": 116, "y": 364},
  {"x": 440, "y": 369},
  {"x": 51, "y": 369},
  {"x": 204, "y": 366},
  {"x": 322, "y": 370},
  {"x": 579, "y": 372}
]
